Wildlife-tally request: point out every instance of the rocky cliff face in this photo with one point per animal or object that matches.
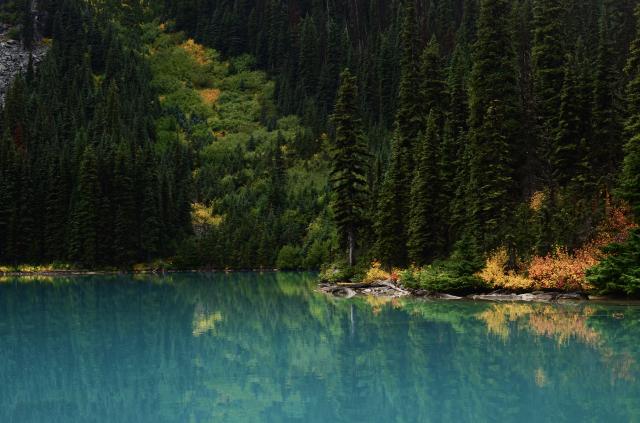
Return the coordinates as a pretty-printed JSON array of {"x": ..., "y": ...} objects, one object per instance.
[{"x": 14, "y": 60}]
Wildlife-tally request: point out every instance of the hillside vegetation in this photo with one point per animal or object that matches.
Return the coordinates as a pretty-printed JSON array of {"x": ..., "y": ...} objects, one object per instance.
[{"x": 457, "y": 144}]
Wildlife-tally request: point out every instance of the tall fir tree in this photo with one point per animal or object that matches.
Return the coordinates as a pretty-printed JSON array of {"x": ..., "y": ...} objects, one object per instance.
[
  {"x": 83, "y": 240},
  {"x": 433, "y": 84},
  {"x": 349, "y": 172},
  {"x": 629, "y": 188},
  {"x": 493, "y": 123},
  {"x": 548, "y": 57},
  {"x": 425, "y": 225},
  {"x": 605, "y": 148},
  {"x": 391, "y": 221},
  {"x": 619, "y": 273}
]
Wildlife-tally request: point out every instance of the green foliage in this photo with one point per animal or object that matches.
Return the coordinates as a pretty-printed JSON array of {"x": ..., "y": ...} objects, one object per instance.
[
  {"x": 289, "y": 258},
  {"x": 456, "y": 275},
  {"x": 348, "y": 174},
  {"x": 442, "y": 278},
  {"x": 89, "y": 178},
  {"x": 619, "y": 273},
  {"x": 523, "y": 104},
  {"x": 630, "y": 179},
  {"x": 425, "y": 225}
]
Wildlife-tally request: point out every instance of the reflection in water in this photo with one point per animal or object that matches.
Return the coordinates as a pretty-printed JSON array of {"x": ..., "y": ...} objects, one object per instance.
[
  {"x": 204, "y": 321},
  {"x": 561, "y": 323},
  {"x": 254, "y": 348}
]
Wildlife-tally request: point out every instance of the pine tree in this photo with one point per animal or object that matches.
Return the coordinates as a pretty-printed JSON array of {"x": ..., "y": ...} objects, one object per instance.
[
  {"x": 619, "y": 273},
  {"x": 493, "y": 122},
  {"x": 425, "y": 225},
  {"x": 409, "y": 116},
  {"x": 28, "y": 27},
  {"x": 606, "y": 146},
  {"x": 547, "y": 55},
  {"x": 630, "y": 179},
  {"x": 391, "y": 230},
  {"x": 564, "y": 155},
  {"x": 309, "y": 56},
  {"x": 349, "y": 173},
  {"x": 84, "y": 220},
  {"x": 390, "y": 218},
  {"x": 433, "y": 87},
  {"x": 125, "y": 228}
]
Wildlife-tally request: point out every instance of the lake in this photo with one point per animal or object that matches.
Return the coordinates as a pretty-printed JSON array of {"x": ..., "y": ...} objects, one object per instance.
[{"x": 268, "y": 348}]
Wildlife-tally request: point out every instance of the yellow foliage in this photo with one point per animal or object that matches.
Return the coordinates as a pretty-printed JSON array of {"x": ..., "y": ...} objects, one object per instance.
[
  {"x": 494, "y": 273},
  {"x": 559, "y": 324},
  {"x": 564, "y": 325},
  {"x": 203, "y": 218},
  {"x": 497, "y": 317},
  {"x": 377, "y": 303},
  {"x": 197, "y": 51},
  {"x": 376, "y": 273},
  {"x": 536, "y": 201},
  {"x": 209, "y": 95},
  {"x": 205, "y": 322}
]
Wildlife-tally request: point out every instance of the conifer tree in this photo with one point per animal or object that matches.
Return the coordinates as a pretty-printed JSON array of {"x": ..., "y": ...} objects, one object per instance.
[
  {"x": 348, "y": 174},
  {"x": 309, "y": 56},
  {"x": 620, "y": 272},
  {"x": 125, "y": 230},
  {"x": 28, "y": 27},
  {"x": 630, "y": 180},
  {"x": 433, "y": 87},
  {"x": 391, "y": 221},
  {"x": 547, "y": 55},
  {"x": 409, "y": 117},
  {"x": 493, "y": 122},
  {"x": 425, "y": 225},
  {"x": 606, "y": 146},
  {"x": 564, "y": 155},
  {"x": 84, "y": 221}
]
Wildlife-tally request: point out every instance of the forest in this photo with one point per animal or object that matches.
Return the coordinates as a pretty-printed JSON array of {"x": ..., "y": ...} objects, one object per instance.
[{"x": 456, "y": 145}]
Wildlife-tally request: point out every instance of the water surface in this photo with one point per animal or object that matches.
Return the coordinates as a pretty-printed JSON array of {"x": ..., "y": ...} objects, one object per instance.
[{"x": 267, "y": 348}]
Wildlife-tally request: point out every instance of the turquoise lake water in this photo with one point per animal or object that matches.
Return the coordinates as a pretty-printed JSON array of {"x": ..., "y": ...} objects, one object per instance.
[{"x": 267, "y": 348}]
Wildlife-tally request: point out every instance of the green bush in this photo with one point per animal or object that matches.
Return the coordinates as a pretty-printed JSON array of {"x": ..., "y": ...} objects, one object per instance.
[
  {"x": 289, "y": 258},
  {"x": 456, "y": 275},
  {"x": 619, "y": 273},
  {"x": 336, "y": 272},
  {"x": 441, "y": 278}
]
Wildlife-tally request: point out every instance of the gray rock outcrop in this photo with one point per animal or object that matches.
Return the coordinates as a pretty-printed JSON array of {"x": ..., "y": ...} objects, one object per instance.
[{"x": 14, "y": 59}]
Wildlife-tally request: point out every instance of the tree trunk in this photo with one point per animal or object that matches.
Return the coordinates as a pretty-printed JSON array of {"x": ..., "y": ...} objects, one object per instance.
[{"x": 352, "y": 246}]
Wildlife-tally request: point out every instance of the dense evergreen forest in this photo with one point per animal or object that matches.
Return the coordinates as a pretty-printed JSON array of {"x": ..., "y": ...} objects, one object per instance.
[{"x": 472, "y": 142}]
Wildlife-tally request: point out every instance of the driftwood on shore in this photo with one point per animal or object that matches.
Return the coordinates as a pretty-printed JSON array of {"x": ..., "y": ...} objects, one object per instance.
[
  {"x": 388, "y": 288},
  {"x": 376, "y": 289}
]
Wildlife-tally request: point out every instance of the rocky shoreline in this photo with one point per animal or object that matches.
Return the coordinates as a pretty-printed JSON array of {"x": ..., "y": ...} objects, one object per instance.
[{"x": 389, "y": 289}]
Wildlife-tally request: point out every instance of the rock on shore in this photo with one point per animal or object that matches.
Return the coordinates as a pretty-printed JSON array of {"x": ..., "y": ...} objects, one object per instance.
[{"x": 390, "y": 289}]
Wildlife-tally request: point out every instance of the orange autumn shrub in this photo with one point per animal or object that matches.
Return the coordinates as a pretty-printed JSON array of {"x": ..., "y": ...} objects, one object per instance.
[
  {"x": 561, "y": 269},
  {"x": 566, "y": 270}
]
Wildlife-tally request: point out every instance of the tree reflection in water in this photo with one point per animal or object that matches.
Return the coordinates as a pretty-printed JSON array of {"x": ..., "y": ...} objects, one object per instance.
[{"x": 251, "y": 347}]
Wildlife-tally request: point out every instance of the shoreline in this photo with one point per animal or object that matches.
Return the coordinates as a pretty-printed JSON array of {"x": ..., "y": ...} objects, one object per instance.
[
  {"x": 388, "y": 289},
  {"x": 25, "y": 273},
  {"x": 379, "y": 289}
]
